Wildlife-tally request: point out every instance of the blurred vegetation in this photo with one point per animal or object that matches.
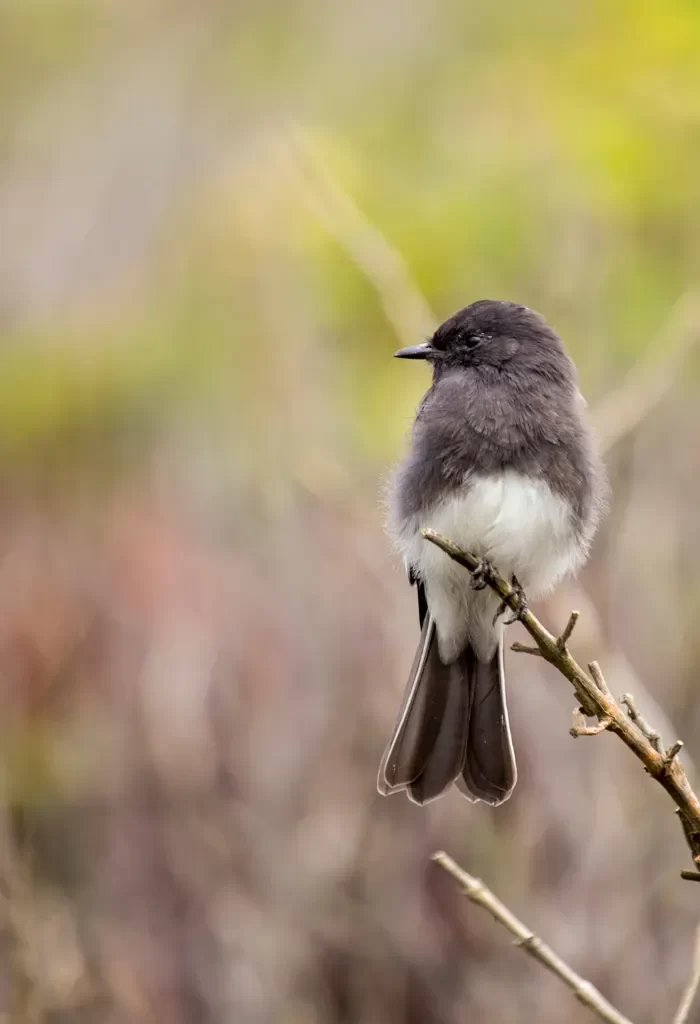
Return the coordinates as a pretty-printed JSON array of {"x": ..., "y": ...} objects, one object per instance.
[{"x": 203, "y": 635}]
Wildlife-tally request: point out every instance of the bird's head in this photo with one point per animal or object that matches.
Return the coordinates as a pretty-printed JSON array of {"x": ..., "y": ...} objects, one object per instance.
[{"x": 497, "y": 335}]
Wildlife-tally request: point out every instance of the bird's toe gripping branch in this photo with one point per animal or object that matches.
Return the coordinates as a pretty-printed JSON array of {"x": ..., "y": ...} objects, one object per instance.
[
  {"x": 521, "y": 606},
  {"x": 482, "y": 574}
]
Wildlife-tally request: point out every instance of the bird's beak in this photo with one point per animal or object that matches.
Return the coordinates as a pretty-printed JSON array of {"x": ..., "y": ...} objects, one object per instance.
[{"x": 422, "y": 351}]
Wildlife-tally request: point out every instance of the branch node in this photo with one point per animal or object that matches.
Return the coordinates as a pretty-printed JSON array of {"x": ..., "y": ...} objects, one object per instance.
[
  {"x": 692, "y": 835},
  {"x": 673, "y": 752},
  {"x": 589, "y": 707}
]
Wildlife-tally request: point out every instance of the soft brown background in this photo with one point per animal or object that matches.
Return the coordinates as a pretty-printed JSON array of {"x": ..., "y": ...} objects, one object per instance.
[{"x": 217, "y": 222}]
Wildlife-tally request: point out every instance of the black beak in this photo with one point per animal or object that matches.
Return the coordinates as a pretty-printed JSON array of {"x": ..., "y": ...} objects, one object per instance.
[{"x": 423, "y": 351}]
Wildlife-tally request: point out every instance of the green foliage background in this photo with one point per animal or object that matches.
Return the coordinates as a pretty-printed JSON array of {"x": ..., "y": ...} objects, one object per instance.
[{"x": 544, "y": 154}]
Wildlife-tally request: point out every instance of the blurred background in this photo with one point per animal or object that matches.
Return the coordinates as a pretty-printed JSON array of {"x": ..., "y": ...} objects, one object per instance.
[{"x": 217, "y": 222}]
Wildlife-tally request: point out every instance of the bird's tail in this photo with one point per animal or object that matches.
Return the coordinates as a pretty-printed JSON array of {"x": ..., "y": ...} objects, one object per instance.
[{"x": 452, "y": 727}]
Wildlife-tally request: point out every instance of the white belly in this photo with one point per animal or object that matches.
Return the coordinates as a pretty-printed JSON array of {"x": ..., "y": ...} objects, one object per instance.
[{"x": 516, "y": 522}]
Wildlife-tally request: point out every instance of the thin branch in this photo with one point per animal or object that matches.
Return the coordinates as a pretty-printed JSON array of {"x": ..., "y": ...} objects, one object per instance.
[
  {"x": 598, "y": 679},
  {"x": 686, "y": 1003},
  {"x": 566, "y": 635},
  {"x": 579, "y": 727},
  {"x": 594, "y": 697},
  {"x": 524, "y": 649},
  {"x": 651, "y": 734},
  {"x": 478, "y": 893},
  {"x": 620, "y": 669},
  {"x": 405, "y": 307}
]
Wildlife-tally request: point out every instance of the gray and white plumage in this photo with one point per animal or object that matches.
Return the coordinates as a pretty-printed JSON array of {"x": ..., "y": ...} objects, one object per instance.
[{"x": 502, "y": 462}]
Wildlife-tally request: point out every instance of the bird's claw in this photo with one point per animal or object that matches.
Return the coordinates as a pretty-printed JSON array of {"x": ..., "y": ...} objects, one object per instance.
[
  {"x": 520, "y": 597},
  {"x": 481, "y": 574}
]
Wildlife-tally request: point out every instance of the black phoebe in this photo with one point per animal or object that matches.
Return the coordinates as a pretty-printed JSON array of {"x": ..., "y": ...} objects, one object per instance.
[{"x": 503, "y": 463}]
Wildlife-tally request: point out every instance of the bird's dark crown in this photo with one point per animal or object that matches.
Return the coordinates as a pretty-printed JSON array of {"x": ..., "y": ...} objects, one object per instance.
[
  {"x": 489, "y": 336},
  {"x": 489, "y": 324}
]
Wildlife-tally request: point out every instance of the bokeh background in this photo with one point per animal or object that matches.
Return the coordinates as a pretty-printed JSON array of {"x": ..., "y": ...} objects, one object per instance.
[{"x": 217, "y": 222}]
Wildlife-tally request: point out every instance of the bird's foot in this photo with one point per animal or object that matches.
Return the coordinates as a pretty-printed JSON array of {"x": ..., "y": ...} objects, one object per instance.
[
  {"x": 521, "y": 599},
  {"x": 480, "y": 575}
]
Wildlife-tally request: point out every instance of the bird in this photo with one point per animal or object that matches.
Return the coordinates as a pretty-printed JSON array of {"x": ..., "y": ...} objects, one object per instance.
[{"x": 502, "y": 461}]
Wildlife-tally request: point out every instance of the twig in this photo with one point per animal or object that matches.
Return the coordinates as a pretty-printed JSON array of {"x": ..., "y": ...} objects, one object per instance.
[
  {"x": 478, "y": 893},
  {"x": 598, "y": 679},
  {"x": 625, "y": 676},
  {"x": 579, "y": 727},
  {"x": 566, "y": 635},
  {"x": 651, "y": 734},
  {"x": 594, "y": 697},
  {"x": 524, "y": 649},
  {"x": 683, "y": 1011}
]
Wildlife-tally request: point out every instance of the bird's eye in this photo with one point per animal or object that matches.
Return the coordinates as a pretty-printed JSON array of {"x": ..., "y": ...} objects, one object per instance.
[{"x": 473, "y": 338}]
